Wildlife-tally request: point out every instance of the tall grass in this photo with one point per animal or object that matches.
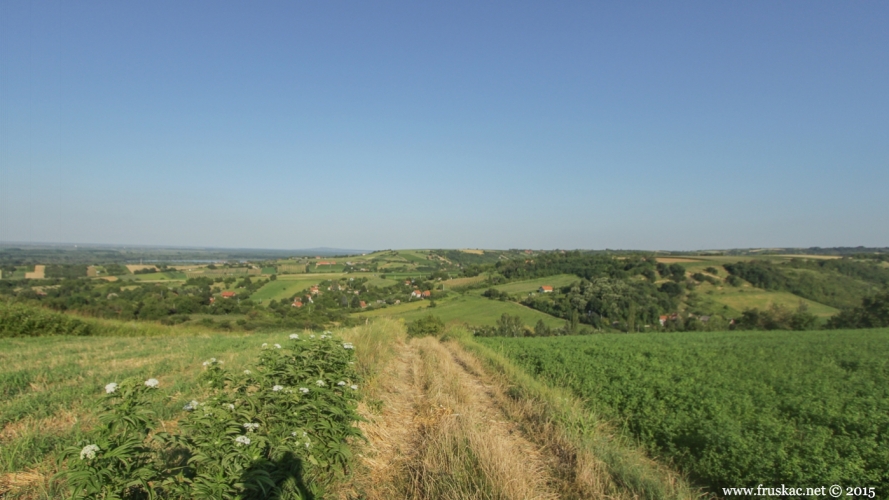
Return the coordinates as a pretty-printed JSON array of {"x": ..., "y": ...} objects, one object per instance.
[
  {"x": 595, "y": 459},
  {"x": 375, "y": 345}
]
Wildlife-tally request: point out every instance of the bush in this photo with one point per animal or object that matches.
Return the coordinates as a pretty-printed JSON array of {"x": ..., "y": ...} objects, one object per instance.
[
  {"x": 19, "y": 320},
  {"x": 427, "y": 325},
  {"x": 281, "y": 430}
]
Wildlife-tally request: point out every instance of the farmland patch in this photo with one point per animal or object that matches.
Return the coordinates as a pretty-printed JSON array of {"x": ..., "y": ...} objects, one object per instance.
[{"x": 735, "y": 408}]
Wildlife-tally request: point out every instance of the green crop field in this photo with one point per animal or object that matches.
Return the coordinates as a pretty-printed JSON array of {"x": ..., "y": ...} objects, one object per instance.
[
  {"x": 477, "y": 310},
  {"x": 528, "y": 286},
  {"x": 281, "y": 289},
  {"x": 48, "y": 384},
  {"x": 736, "y": 408}
]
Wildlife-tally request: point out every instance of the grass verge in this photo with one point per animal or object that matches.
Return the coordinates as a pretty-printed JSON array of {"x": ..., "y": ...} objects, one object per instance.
[{"x": 594, "y": 458}]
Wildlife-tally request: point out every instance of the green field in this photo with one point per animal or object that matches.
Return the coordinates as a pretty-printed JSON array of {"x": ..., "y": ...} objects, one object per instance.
[
  {"x": 396, "y": 310},
  {"x": 377, "y": 281},
  {"x": 282, "y": 289},
  {"x": 735, "y": 408},
  {"x": 477, "y": 310},
  {"x": 528, "y": 286}
]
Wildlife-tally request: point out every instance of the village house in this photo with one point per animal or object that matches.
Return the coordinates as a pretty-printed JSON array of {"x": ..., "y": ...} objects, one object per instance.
[
  {"x": 228, "y": 295},
  {"x": 427, "y": 294},
  {"x": 545, "y": 289},
  {"x": 416, "y": 293},
  {"x": 297, "y": 303}
]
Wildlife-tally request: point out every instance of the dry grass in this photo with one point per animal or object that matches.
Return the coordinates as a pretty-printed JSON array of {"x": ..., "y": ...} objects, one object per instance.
[
  {"x": 436, "y": 432},
  {"x": 138, "y": 267},
  {"x": 472, "y": 251},
  {"x": 38, "y": 274},
  {"x": 676, "y": 260},
  {"x": 58, "y": 424},
  {"x": 813, "y": 257},
  {"x": 592, "y": 459},
  {"x": 468, "y": 447},
  {"x": 581, "y": 475},
  {"x": 458, "y": 282}
]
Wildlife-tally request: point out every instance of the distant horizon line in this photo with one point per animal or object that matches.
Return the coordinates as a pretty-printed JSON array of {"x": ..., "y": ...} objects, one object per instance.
[{"x": 359, "y": 251}]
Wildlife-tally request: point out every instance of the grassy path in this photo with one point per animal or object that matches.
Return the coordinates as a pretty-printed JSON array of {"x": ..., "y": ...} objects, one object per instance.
[{"x": 440, "y": 434}]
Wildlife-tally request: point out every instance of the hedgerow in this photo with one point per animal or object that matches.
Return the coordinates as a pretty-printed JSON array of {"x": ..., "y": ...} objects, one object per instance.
[
  {"x": 18, "y": 320},
  {"x": 279, "y": 430}
]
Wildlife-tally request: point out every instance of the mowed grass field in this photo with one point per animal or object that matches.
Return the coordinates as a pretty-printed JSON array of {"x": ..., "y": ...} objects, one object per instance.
[
  {"x": 477, "y": 310},
  {"x": 396, "y": 310},
  {"x": 528, "y": 286},
  {"x": 48, "y": 385},
  {"x": 735, "y": 409},
  {"x": 747, "y": 297},
  {"x": 282, "y": 289}
]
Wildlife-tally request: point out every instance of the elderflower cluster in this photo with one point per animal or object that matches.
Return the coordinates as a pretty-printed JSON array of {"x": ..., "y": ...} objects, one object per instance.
[
  {"x": 294, "y": 336},
  {"x": 340, "y": 383},
  {"x": 353, "y": 387},
  {"x": 251, "y": 427},
  {"x": 242, "y": 440},
  {"x": 89, "y": 452},
  {"x": 348, "y": 345},
  {"x": 191, "y": 406},
  {"x": 277, "y": 346},
  {"x": 152, "y": 383},
  {"x": 110, "y": 388},
  {"x": 320, "y": 383},
  {"x": 304, "y": 390},
  {"x": 277, "y": 388}
]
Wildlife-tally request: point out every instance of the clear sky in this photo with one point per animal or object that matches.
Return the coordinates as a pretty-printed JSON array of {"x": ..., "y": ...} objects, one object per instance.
[{"x": 662, "y": 125}]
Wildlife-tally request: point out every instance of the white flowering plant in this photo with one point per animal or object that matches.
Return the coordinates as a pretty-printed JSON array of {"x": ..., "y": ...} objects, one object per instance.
[
  {"x": 117, "y": 461},
  {"x": 246, "y": 440}
]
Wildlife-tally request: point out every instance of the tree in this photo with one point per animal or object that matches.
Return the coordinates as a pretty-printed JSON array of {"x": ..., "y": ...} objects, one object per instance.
[
  {"x": 510, "y": 326},
  {"x": 541, "y": 330}
]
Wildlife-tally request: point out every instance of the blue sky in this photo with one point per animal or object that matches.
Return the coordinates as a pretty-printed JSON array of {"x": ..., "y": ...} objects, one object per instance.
[{"x": 662, "y": 125}]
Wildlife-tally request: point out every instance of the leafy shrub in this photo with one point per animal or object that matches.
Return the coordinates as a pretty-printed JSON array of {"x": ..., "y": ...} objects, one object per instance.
[
  {"x": 427, "y": 325},
  {"x": 19, "y": 320},
  {"x": 279, "y": 430}
]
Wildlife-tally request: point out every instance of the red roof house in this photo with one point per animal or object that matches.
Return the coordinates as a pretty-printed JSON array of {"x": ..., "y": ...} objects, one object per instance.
[
  {"x": 545, "y": 289},
  {"x": 228, "y": 295}
]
